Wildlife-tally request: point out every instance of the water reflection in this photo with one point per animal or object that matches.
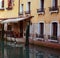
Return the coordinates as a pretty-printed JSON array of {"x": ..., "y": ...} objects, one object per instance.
[
  {"x": 43, "y": 52},
  {"x": 18, "y": 51}
]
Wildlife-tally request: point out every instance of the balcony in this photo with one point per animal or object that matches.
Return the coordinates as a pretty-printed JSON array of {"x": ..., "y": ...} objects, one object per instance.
[
  {"x": 52, "y": 39},
  {"x": 40, "y": 11},
  {"x": 53, "y": 9},
  {"x": 27, "y": 12},
  {"x": 21, "y": 13}
]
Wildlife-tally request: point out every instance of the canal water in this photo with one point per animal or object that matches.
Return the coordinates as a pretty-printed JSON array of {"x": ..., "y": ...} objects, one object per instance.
[
  {"x": 43, "y": 52},
  {"x": 13, "y": 50}
]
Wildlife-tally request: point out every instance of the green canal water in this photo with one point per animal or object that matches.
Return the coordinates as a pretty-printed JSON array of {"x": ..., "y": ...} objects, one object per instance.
[{"x": 13, "y": 50}]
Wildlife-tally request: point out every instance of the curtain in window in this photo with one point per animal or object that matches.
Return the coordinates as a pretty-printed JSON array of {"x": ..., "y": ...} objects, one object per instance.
[{"x": 0, "y": 3}]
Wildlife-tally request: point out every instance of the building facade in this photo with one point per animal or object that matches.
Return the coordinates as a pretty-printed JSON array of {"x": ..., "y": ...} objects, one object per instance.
[
  {"x": 46, "y": 20},
  {"x": 8, "y": 10},
  {"x": 45, "y": 24}
]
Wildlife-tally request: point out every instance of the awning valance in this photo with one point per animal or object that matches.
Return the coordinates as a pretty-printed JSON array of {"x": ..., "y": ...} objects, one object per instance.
[{"x": 12, "y": 20}]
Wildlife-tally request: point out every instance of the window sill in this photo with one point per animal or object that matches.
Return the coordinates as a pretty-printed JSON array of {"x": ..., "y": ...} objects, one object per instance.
[
  {"x": 9, "y": 8},
  {"x": 27, "y": 12},
  {"x": 51, "y": 40},
  {"x": 40, "y": 13},
  {"x": 2, "y": 9},
  {"x": 21, "y": 14},
  {"x": 42, "y": 39},
  {"x": 56, "y": 11}
]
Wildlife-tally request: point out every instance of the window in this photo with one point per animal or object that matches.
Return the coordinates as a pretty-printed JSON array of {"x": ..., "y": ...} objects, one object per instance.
[
  {"x": 54, "y": 3},
  {"x": 1, "y": 4},
  {"x": 54, "y": 6},
  {"x": 10, "y": 4},
  {"x": 41, "y": 7},
  {"x": 41, "y": 4},
  {"x": 21, "y": 9},
  {"x": 41, "y": 30},
  {"x": 28, "y": 8}
]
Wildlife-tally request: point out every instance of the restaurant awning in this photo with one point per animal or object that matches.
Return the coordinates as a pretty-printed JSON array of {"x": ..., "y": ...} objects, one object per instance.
[{"x": 12, "y": 20}]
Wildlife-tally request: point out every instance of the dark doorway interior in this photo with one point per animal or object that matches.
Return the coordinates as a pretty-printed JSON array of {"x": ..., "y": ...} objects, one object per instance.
[
  {"x": 21, "y": 28},
  {"x": 41, "y": 29},
  {"x": 54, "y": 27}
]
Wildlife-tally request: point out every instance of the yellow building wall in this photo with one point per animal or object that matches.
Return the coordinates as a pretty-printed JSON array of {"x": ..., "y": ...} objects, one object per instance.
[
  {"x": 47, "y": 17},
  {"x": 9, "y": 13}
]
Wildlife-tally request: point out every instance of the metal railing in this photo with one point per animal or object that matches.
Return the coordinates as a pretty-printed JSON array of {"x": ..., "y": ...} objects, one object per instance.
[
  {"x": 53, "y": 9},
  {"x": 40, "y": 10},
  {"x": 28, "y": 12}
]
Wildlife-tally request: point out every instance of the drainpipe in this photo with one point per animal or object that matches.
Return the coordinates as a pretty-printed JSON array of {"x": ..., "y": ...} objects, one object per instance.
[
  {"x": 2, "y": 41},
  {"x": 27, "y": 40}
]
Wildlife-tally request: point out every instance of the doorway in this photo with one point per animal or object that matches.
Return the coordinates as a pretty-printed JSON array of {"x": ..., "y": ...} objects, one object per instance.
[
  {"x": 21, "y": 28},
  {"x": 41, "y": 29},
  {"x": 54, "y": 29}
]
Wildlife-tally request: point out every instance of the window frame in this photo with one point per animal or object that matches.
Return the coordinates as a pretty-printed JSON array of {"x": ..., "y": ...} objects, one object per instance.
[
  {"x": 2, "y": 5},
  {"x": 10, "y": 5},
  {"x": 21, "y": 9}
]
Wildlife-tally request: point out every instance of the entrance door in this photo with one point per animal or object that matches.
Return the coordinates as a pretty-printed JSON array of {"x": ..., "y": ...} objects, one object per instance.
[
  {"x": 41, "y": 29},
  {"x": 21, "y": 28},
  {"x": 54, "y": 25}
]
